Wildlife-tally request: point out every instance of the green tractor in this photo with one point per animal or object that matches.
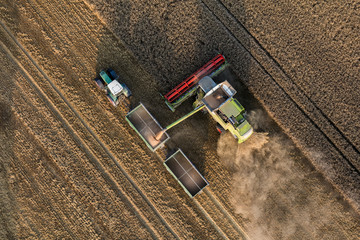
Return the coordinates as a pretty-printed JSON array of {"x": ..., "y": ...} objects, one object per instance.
[{"x": 109, "y": 82}]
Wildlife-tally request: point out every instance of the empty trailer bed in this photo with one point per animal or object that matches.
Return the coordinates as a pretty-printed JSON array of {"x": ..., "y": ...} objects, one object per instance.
[{"x": 185, "y": 173}]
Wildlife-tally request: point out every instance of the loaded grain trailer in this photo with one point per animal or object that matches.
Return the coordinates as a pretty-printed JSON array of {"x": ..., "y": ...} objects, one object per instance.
[
  {"x": 185, "y": 173},
  {"x": 216, "y": 99},
  {"x": 177, "y": 164},
  {"x": 147, "y": 127}
]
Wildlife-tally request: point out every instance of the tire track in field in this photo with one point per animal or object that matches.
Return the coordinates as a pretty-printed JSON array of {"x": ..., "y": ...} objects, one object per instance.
[
  {"x": 41, "y": 186},
  {"x": 74, "y": 224},
  {"x": 229, "y": 217},
  {"x": 296, "y": 95},
  {"x": 84, "y": 163},
  {"x": 29, "y": 100},
  {"x": 223, "y": 210},
  {"x": 34, "y": 185},
  {"x": 210, "y": 219},
  {"x": 58, "y": 175},
  {"x": 30, "y": 177},
  {"x": 206, "y": 204},
  {"x": 223, "y": 203},
  {"x": 81, "y": 143}
]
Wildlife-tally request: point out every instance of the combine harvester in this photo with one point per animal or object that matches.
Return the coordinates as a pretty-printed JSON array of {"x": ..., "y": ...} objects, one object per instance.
[
  {"x": 216, "y": 99},
  {"x": 109, "y": 83}
]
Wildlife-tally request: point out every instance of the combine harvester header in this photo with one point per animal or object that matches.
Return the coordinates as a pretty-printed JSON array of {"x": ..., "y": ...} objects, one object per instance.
[{"x": 188, "y": 87}]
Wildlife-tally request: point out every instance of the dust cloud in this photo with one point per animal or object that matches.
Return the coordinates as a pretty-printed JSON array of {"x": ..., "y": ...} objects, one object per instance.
[
  {"x": 258, "y": 119},
  {"x": 269, "y": 191}
]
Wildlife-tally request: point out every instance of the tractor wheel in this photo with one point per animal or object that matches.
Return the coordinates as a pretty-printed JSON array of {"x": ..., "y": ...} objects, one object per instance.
[
  {"x": 99, "y": 83},
  {"x": 219, "y": 128},
  {"x": 112, "y": 74},
  {"x": 114, "y": 103}
]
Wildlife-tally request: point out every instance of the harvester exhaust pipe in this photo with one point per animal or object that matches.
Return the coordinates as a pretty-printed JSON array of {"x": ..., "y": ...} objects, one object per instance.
[{"x": 161, "y": 133}]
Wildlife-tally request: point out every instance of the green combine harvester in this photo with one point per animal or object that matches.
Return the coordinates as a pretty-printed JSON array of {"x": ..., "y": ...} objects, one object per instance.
[
  {"x": 218, "y": 100},
  {"x": 225, "y": 110}
]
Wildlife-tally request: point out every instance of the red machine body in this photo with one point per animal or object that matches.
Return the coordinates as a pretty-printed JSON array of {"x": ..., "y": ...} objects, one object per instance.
[{"x": 189, "y": 82}]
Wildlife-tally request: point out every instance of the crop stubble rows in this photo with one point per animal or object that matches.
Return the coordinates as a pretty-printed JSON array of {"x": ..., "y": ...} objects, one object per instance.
[
  {"x": 254, "y": 66},
  {"x": 89, "y": 185},
  {"x": 238, "y": 230},
  {"x": 71, "y": 77}
]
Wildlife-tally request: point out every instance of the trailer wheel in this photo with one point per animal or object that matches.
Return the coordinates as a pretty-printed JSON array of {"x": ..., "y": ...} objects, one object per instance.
[{"x": 219, "y": 128}]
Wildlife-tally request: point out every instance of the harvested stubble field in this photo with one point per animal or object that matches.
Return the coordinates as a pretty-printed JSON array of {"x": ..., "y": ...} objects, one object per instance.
[{"x": 72, "y": 168}]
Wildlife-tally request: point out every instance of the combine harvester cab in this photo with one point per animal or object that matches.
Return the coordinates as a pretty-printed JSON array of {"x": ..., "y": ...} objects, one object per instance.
[
  {"x": 189, "y": 86},
  {"x": 185, "y": 173},
  {"x": 226, "y": 110},
  {"x": 109, "y": 82},
  {"x": 147, "y": 127}
]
